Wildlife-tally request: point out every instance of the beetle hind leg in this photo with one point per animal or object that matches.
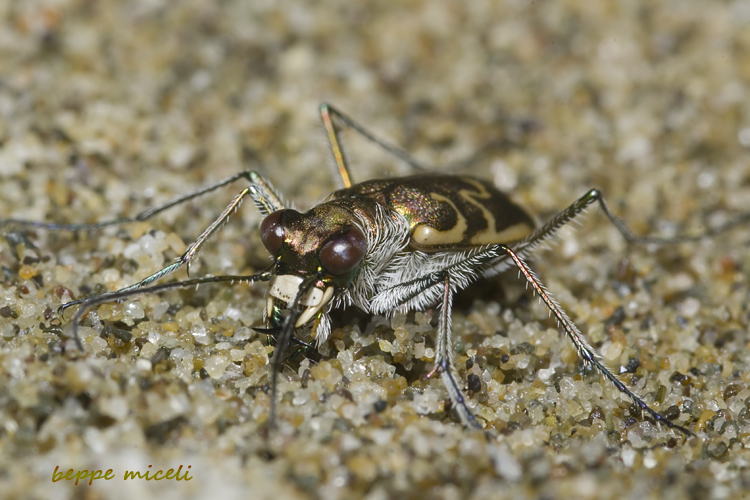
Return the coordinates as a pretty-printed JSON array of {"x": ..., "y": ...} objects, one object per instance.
[
  {"x": 333, "y": 119},
  {"x": 631, "y": 238},
  {"x": 540, "y": 236},
  {"x": 465, "y": 270},
  {"x": 585, "y": 351}
]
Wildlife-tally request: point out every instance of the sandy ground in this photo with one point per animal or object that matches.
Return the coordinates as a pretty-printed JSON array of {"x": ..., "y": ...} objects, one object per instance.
[{"x": 107, "y": 108}]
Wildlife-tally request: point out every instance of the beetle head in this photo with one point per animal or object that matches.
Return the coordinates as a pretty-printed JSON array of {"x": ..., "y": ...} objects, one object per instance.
[{"x": 324, "y": 243}]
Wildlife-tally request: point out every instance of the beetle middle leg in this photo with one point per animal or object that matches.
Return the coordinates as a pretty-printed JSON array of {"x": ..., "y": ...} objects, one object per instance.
[{"x": 444, "y": 361}]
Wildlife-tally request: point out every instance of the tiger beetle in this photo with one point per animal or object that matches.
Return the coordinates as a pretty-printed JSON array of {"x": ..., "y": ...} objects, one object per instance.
[{"x": 384, "y": 246}]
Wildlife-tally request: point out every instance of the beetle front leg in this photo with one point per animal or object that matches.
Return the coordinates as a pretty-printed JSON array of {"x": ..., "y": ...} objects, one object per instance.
[{"x": 444, "y": 359}]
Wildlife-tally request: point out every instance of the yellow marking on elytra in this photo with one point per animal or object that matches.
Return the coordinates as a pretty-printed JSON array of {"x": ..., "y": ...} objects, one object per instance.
[
  {"x": 427, "y": 236},
  {"x": 490, "y": 235},
  {"x": 424, "y": 235},
  {"x": 507, "y": 235}
]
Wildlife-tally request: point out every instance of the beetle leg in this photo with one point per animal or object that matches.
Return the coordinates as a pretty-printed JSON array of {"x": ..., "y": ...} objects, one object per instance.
[
  {"x": 585, "y": 351},
  {"x": 333, "y": 138},
  {"x": 87, "y": 304},
  {"x": 537, "y": 238},
  {"x": 263, "y": 193},
  {"x": 465, "y": 270},
  {"x": 541, "y": 235},
  {"x": 327, "y": 112},
  {"x": 282, "y": 342},
  {"x": 327, "y": 115},
  {"x": 185, "y": 258},
  {"x": 443, "y": 359},
  {"x": 527, "y": 245},
  {"x": 265, "y": 197},
  {"x": 260, "y": 191},
  {"x": 644, "y": 240}
]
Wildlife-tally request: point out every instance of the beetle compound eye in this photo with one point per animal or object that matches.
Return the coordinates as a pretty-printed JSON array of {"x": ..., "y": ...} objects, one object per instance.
[
  {"x": 272, "y": 232},
  {"x": 341, "y": 253}
]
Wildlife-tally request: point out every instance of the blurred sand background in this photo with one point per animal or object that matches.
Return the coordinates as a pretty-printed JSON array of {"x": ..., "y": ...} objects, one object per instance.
[{"x": 109, "y": 107}]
